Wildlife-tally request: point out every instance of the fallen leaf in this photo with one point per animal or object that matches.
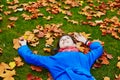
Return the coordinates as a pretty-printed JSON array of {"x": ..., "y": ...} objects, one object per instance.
[
  {"x": 13, "y": 18},
  {"x": 47, "y": 50},
  {"x": 118, "y": 57},
  {"x": 31, "y": 77},
  {"x": 117, "y": 77},
  {"x": 18, "y": 61},
  {"x": 11, "y": 25},
  {"x": 106, "y": 78},
  {"x": 12, "y": 65},
  {"x": 49, "y": 41},
  {"x": 16, "y": 43},
  {"x": 49, "y": 76},
  {"x": 1, "y": 18},
  {"x": 8, "y": 73},
  {"x": 1, "y": 50},
  {"x": 36, "y": 68},
  {"x": 0, "y": 30},
  {"x": 7, "y": 12},
  {"x": 118, "y": 64}
]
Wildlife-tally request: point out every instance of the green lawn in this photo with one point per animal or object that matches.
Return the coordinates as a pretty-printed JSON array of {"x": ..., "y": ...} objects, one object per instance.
[{"x": 7, "y": 35}]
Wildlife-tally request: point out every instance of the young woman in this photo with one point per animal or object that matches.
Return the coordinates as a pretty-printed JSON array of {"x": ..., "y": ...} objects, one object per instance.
[{"x": 68, "y": 63}]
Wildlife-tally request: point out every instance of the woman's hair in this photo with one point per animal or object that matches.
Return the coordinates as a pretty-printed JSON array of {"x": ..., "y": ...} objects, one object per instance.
[{"x": 55, "y": 50}]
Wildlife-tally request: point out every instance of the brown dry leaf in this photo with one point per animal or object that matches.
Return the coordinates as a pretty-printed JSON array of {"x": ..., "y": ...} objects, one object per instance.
[
  {"x": 97, "y": 65},
  {"x": 1, "y": 50},
  {"x": 8, "y": 78},
  {"x": 47, "y": 50},
  {"x": 106, "y": 78},
  {"x": 16, "y": 1},
  {"x": 49, "y": 76},
  {"x": 26, "y": 17},
  {"x": 31, "y": 38},
  {"x": 16, "y": 43},
  {"x": 117, "y": 77},
  {"x": 48, "y": 17},
  {"x": 31, "y": 77},
  {"x": 40, "y": 34},
  {"x": 36, "y": 68},
  {"x": 13, "y": 18},
  {"x": 87, "y": 36},
  {"x": 35, "y": 52},
  {"x": 48, "y": 35},
  {"x": 99, "y": 14},
  {"x": 8, "y": 73},
  {"x": 18, "y": 61},
  {"x": 7, "y": 12},
  {"x": 11, "y": 25},
  {"x": 49, "y": 41},
  {"x": 109, "y": 56},
  {"x": 1, "y": 18},
  {"x": 79, "y": 46},
  {"x": 104, "y": 60},
  {"x": 0, "y": 30},
  {"x": 73, "y": 21},
  {"x": 118, "y": 65},
  {"x": 118, "y": 57}
]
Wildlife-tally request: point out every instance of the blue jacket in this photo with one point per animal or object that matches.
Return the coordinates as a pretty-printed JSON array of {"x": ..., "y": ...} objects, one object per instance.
[{"x": 65, "y": 65}]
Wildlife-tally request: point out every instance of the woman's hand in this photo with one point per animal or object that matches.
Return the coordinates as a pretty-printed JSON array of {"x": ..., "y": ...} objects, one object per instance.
[
  {"x": 22, "y": 41},
  {"x": 80, "y": 38}
]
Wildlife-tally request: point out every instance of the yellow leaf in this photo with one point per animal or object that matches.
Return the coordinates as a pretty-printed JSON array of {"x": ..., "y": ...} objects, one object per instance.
[{"x": 12, "y": 65}]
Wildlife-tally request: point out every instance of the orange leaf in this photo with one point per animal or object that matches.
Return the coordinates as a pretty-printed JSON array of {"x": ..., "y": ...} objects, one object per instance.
[
  {"x": 106, "y": 78},
  {"x": 16, "y": 43},
  {"x": 18, "y": 61},
  {"x": 13, "y": 18},
  {"x": 36, "y": 68},
  {"x": 1, "y": 50}
]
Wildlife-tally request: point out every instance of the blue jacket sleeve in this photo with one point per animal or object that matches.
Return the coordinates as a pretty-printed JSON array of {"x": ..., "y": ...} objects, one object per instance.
[
  {"x": 32, "y": 58},
  {"x": 95, "y": 53}
]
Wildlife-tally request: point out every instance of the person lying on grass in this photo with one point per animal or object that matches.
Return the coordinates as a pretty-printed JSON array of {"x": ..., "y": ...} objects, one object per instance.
[{"x": 68, "y": 63}]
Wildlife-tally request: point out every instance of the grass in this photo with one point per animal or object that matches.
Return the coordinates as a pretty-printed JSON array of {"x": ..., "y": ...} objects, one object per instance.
[{"x": 7, "y": 36}]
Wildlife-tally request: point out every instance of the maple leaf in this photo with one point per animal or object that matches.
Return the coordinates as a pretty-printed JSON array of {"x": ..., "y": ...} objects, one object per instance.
[
  {"x": 47, "y": 50},
  {"x": 48, "y": 17},
  {"x": 49, "y": 76},
  {"x": 31, "y": 38},
  {"x": 49, "y": 41},
  {"x": 118, "y": 65},
  {"x": 11, "y": 25},
  {"x": 104, "y": 60},
  {"x": 12, "y": 65},
  {"x": 117, "y": 77},
  {"x": 31, "y": 77},
  {"x": 106, "y": 78},
  {"x": 87, "y": 36},
  {"x": 1, "y": 50},
  {"x": 16, "y": 43},
  {"x": 7, "y": 12},
  {"x": 118, "y": 57},
  {"x": 8, "y": 74},
  {"x": 36, "y": 68},
  {"x": 18, "y": 61},
  {"x": 1, "y": 18},
  {"x": 13, "y": 18},
  {"x": 97, "y": 65}
]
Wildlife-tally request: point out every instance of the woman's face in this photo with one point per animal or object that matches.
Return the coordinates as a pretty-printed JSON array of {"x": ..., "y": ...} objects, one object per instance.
[{"x": 66, "y": 41}]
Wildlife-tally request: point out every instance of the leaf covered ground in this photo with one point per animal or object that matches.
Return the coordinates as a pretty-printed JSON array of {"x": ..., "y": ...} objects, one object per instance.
[{"x": 42, "y": 22}]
